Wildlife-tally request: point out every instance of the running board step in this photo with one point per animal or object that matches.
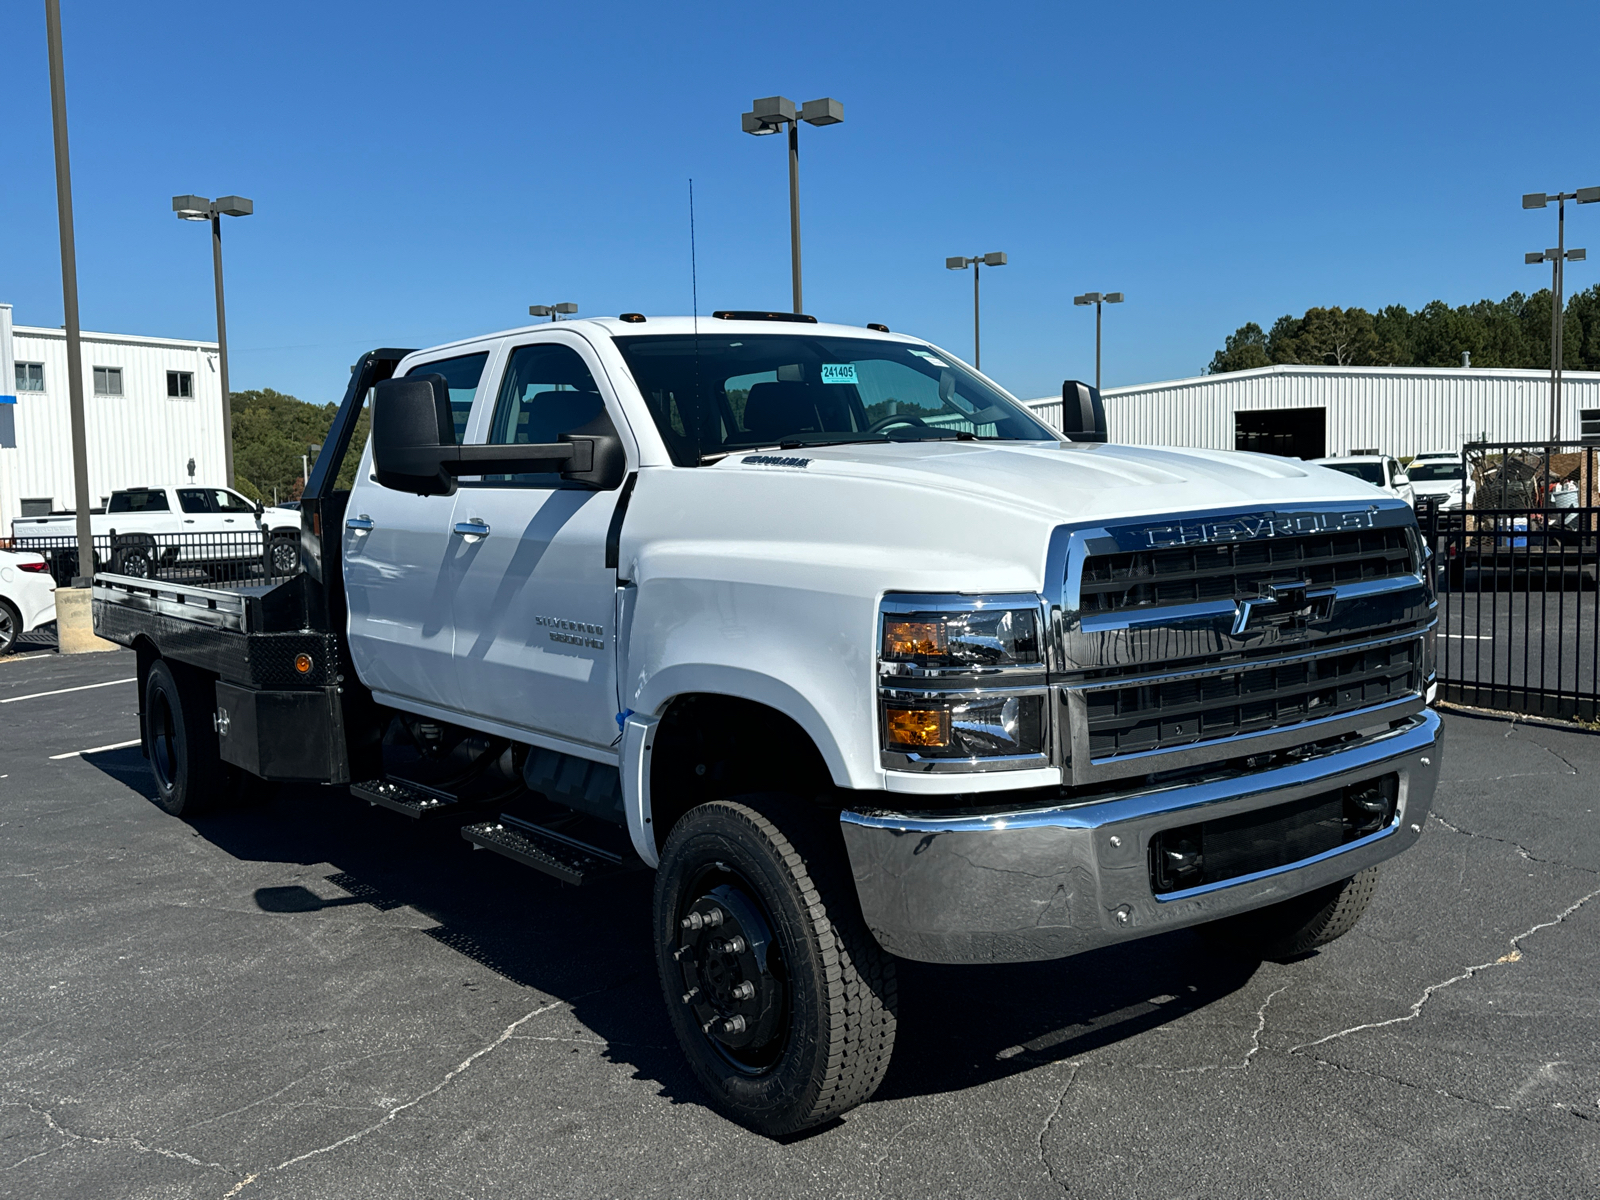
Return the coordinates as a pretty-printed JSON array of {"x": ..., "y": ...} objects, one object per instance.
[
  {"x": 566, "y": 858},
  {"x": 411, "y": 799}
]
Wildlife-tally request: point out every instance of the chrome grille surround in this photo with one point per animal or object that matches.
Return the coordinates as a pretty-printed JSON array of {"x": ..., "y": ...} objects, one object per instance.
[{"x": 1278, "y": 618}]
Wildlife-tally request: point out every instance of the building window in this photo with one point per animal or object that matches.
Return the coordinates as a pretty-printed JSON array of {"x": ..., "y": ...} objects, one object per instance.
[
  {"x": 180, "y": 385},
  {"x": 108, "y": 381},
  {"x": 1588, "y": 423},
  {"x": 30, "y": 377}
]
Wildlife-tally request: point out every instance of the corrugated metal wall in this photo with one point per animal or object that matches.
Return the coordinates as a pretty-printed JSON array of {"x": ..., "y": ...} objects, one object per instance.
[
  {"x": 141, "y": 437},
  {"x": 1398, "y": 410}
]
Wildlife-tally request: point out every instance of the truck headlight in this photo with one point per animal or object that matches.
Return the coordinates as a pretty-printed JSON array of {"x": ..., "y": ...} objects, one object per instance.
[
  {"x": 999, "y": 637},
  {"x": 962, "y": 683}
]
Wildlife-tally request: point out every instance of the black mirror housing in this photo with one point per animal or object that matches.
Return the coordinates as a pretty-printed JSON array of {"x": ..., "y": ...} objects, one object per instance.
[
  {"x": 413, "y": 433},
  {"x": 608, "y": 461},
  {"x": 1083, "y": 413}
]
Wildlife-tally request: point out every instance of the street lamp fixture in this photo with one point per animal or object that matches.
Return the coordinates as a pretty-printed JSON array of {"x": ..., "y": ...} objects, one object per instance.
[
  {"x": 977, "y": 262},
  {"x": 1557, "y": 256},
  {"x": 554, "y": 311},
  {"x": 1097, "y": 299},
  {"x": 771, "y": 115},
  {"x": 198, "y": 208}
]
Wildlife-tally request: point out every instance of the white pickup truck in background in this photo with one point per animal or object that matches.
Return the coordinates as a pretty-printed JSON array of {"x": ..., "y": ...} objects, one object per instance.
[
  {"x": 149, "y": 528},
  {"x": 829, "y": 632}
]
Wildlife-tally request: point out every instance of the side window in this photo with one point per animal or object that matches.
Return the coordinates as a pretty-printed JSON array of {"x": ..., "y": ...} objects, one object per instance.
[
  {"x": 193, "y": 500},
  {"x": 138, "y": 502},
  {"x": 229, "y": 502},
  {"x": 461, "y": 375},
  {"x": 547, "y": 391}
]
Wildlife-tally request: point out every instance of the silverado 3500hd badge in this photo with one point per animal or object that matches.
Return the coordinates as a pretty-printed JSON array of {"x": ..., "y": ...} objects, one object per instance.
[{"x": 574, "y": 633}]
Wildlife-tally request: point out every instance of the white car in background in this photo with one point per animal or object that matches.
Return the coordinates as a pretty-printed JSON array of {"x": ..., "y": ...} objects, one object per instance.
[
  {"x": 27, "y": 596},
  {"x": 1441, "y": 478},
  {"x": 1379, "y": 470}
]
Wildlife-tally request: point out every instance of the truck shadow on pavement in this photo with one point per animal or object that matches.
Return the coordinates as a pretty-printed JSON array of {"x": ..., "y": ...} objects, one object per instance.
[{"x": 959, "y": 1026}]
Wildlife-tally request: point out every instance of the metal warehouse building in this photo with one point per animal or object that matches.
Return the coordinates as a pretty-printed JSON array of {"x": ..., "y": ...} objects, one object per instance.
[
  {"x": 1311, "y": 412},
  {"x": 151, "y": 405}
]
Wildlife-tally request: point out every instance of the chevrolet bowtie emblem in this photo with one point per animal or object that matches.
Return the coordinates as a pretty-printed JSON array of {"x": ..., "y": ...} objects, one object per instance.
[{"x": 1282, "y": 605}]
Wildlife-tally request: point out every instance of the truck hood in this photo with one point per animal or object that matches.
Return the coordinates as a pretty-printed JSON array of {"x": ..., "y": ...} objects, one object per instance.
[{"x": 1072, "y": 480}]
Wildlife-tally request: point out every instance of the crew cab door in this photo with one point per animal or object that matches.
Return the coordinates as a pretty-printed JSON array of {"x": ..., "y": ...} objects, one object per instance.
[
  {"x": 534, "y": 605},
  {"x": 400, "y": 564}
]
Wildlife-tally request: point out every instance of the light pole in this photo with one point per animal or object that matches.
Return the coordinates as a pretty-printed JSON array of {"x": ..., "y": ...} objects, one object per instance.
[
  {"x": 769, "y": 116},
  {"x": 554, "y": 311},
  {"x": 977, "y": 262},
  {"x": 1097, "y": 299},
  {"x": 1557, "y": 256},
  {"x": 198, "y": 208}
]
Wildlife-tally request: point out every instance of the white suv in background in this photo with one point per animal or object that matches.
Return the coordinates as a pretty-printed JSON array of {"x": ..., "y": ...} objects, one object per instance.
[
  {"x": 27, "y": 596},
  {"x": 1441, "y": 478},
  {"x": 1379, "y": 470}
]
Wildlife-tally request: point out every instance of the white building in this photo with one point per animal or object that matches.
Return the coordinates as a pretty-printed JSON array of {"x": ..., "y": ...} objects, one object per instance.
[
  {"x": 151, "y": 405},
  {"x": 1311, "y": 412}
]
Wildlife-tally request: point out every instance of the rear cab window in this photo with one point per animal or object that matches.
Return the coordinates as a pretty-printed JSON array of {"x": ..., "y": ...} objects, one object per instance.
[{"x": 139, "y": 500}]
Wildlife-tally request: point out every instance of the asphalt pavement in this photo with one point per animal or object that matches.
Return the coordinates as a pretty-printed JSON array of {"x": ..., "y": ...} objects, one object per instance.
[{"x": 311, "y": 998}]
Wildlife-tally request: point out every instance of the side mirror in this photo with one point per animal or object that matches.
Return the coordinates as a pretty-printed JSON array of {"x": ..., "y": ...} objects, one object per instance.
[
  {"x": 1083, "y": 413},
  {"x": 412, "y": 431},
  {"x": 414, "y": 448},
  {"x": 1402, "y": 480}
]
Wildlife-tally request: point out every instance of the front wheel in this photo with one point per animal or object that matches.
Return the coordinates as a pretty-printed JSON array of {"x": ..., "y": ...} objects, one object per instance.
[
  {"x": 10, "y": 626},
  {"x": 781, "y": 999},
  {"x": 1297, "y": 926},
  {"x": 285, "y": 555}
]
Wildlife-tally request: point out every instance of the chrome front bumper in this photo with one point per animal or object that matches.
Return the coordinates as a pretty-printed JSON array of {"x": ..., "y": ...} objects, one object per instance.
[{"x": 1052, "y": 882}]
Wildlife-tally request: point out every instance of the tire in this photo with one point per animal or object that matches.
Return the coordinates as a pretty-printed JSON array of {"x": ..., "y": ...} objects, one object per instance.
[
  {"x": 135, "y": 557},
  {"x": 283, "y": 555},
  {"x": 180, "y": 742},
  {"x": 1296, "y": 927},
  {"x": 818, "y": 1008},
  {"x": 10, "y": 626}
]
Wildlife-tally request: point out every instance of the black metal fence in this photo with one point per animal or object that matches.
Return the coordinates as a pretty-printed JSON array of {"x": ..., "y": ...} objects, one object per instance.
[
  {"x": 1517, "y": 550},
  {"x": 247, "y": 557}
]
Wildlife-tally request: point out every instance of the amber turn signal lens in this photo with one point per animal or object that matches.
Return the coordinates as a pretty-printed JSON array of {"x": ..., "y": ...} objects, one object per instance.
[
  {"x": 911, "y": 639},
  {"x": 918, "y": 726},
  {"x": 302, "y": 663}
]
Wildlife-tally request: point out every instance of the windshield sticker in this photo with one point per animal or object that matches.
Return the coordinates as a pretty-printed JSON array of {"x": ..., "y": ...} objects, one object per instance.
[
  {"x": 933, "y": 360},
  {"x": 839, "y": 373}
]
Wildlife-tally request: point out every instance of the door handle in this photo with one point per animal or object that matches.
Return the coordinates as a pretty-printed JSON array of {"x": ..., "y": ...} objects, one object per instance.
[
  {"x": 472, "y": 528},
  {"x": 361, "y": 524}
]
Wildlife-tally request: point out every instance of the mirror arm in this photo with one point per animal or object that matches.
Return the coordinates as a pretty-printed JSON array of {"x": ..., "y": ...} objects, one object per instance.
[{"x": 523, "y": 459}]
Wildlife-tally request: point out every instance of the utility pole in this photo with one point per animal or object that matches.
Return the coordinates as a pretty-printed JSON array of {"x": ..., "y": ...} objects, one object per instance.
[
  {"x": 1558, "y": 256},
  {"x": 74, "y": 613}
]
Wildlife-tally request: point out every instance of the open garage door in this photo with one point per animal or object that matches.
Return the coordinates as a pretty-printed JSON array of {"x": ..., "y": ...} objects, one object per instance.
[{"x": 1291, "y": 432}]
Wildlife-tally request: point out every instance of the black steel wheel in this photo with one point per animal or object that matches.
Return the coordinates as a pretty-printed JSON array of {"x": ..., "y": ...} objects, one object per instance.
[
  {"x": 284, "y": 555},
  {"x": 781, "y": 999},
  {"x": 10, "y": 626},
  {"x": 180, "y": 742},
  {"x": 1295, "y": 927}
]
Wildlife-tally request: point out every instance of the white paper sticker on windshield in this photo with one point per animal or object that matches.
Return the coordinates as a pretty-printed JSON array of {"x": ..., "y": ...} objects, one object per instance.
[
  {"x": 839, "y": 373},
  {"x": 937, "y": 362}
]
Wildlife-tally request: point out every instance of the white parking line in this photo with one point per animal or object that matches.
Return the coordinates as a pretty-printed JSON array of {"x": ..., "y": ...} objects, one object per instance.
[
  {"x": 1469, "y": 637},
  {"x": 96, "y": 749},
  {"x": 63, "y": 691}
]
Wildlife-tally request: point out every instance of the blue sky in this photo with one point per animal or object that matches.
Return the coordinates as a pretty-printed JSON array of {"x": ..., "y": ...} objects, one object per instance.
[{"x": 423, "y": 172}]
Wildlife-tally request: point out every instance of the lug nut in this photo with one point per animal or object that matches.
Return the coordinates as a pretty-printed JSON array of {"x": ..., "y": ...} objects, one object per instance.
[
  {"x": 693, "y": 921},
  {"x": 733, "y": 1025},
  {"x": 744, "y": 990},
  {"x": 714, "y": 916},
  {"x": 734, "y": 945},
  {"x": 688, "y": 997}
]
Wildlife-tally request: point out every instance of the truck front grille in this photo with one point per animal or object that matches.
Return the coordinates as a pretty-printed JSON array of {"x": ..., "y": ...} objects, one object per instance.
[
  {"x": 1165, "y": 713},
  {"x": 1229, "y": 570}
]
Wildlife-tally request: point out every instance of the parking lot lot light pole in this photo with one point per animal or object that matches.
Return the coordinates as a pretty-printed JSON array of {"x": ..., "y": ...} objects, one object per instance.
[
  {"x": 198, "y": 208},
  {"x": 769, "y": 116},
  {"x": 977, "y": 262},
  {"x": 554, "y": 311},
  {"x": 1557, "y": 256},
  {"x": 1097, "y": 299}
]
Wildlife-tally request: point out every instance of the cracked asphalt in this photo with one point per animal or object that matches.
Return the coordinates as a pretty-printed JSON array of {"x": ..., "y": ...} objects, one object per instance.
[{"x": 310, "y": 998}]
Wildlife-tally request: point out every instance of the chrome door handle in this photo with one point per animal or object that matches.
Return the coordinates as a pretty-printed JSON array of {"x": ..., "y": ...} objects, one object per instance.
[
  {"x": 472, "y": 528},
  {"x": 363, "y": 523}
]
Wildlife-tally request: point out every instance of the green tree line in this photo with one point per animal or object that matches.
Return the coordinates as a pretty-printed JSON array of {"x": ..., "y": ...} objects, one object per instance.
[
  {"x": 270, "y": 433},
  {"x": 1514, "y": 332}
]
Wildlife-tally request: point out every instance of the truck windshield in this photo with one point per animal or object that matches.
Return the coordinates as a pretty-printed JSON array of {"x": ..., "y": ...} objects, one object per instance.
[
  {"x": 1436, "y": 472},
  {"x": 1370, "y": 472},
  {"x": 712, "y": 396}
]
